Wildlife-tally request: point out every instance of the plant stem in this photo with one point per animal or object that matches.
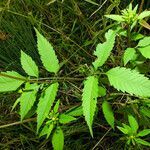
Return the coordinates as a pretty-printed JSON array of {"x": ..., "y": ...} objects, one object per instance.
[{"x": 129, "y": 35}]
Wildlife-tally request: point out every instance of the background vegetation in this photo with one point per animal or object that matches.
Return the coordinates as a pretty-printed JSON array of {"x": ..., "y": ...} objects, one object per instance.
[{"x": 74, "y": 27}]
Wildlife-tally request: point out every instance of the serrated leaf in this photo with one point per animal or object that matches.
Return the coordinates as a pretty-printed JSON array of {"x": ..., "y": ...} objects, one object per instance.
[
  {"x": 130, "y": 81},
  {"x": 140, "y": 141},
  {"x": 29, "y": 65},
  {"x": 27, "y": 99},
  {"x": 145, "y": 51},
  {"x": 143, "y": 132},
  {"x": 108, "y": 113},
  {"x": 144, "y": 14},
  {"x": 144, "y": 42},
  {"x": 103, "y": 50},
  {"x": 47, "y": 53},
  {"x": 133, "y": 123},
  {"x": 45, "y": 103},
  {"x": 89, "y": 100},
  {"x": 118, "y": 18},
  {"x": 9, "y": 82},
  {"x": 58, "y": 139},
  {"x": 75, "y": 111},
  {"x": 64, "y": 118},
  {"x": 128, "y": 55}
]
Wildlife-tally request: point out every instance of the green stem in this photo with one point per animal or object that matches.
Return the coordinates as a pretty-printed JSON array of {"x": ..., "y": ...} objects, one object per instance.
[{"x": 129, "y": 35}]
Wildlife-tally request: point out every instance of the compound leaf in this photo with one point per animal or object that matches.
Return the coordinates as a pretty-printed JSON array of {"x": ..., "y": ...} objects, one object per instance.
[
  {"x": 130, "y": 81},
  {"x": 58, "y": 139},
  {"x": 108, "y": 113},
  {"x": 103, "y": 50},
  {"x": 89, "y": 100},
  {"x": 10, "y": 81},
  {"x": 47, "y": 53},
  {"x": 45, "y": 103},
  {"x": 29, "y": 65}
]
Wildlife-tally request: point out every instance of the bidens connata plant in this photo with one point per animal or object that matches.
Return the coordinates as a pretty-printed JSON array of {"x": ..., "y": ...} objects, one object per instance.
[{"x": 125, "y": 79}]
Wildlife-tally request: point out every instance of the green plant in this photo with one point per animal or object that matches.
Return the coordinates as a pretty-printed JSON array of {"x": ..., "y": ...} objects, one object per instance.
[{"x": 42, "y": 92}]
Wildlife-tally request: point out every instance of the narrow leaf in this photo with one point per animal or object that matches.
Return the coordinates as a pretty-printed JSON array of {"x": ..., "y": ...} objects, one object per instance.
[
  {"x": 89, "y": 100},
  {"x": 144, "y": 132},
  {"x": 50, "y": 128},
  {"x": 103, "y": 50},
  {"x": 66, "y": 118},
  {"x": 145, "y": 111},
  {"x": 133, "y": 123},
  {"x": 123, "y": 130},
  {"x": 128, "y": 55},
  {"x": 140, "y": 141},
  {"x": 44, "y": 131},
  {"x": 15, "y": 104},
  {"x": 27, "y": 99},
  {"x": 90, "y": 1},
  {"x": 129, "y": 81},
  {"x": 9, "y": 81},
  {"x": 56, "y": 107},
  {"x": 118, "y": 18},
  {"x": 144, "y": 14},
  {"x": 108, "y": 113},
  {"x": 48, "y": 56},
  {"x": 29, "y": 65},
  {"x": 45, "y": 103},
  {"x": 75, "y": 111},
  {"x": 58, "y": 139}
]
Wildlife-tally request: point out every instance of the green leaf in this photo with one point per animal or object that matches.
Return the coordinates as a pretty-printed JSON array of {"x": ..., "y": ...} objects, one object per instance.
[
  {"x": 45, "y": 103},
  {"x": 49, "y": 131},
  {"x": 58, "y": 139},
  {"x": 128, "y": 55},
  {"x": 130, "y": 81},
  {"x": 144, "y": 42},
  {"x": 9, "y": 81},
  {"x": 27, "y": 99},
  {"x": 89, "y": 100},
  {"x": 44, "y": 131},
  {"x": 144, "y": 14},
  {"x": 90, "y": 1},
  {"x": 102, "y": 91},
  {"x": 108, "y": 113},
  {"x": 15, "y": 104},
  {"x": 144, "y": 132},
  {"x": 140, "y": 141},
  {"x": 145, "y": 111},
  {"x": 103, "y": 50},
  {"x": 123, "y": 130},
  {"x": 66, "y": 118},
  {"x": 75, "y": 111},
  {"x": 29, "y": 65},
  {"x": 133, "y": 123},
  {"x": 48, "y": 56},
  {"x": 118, "y": 18},
  {"x": 145, "y": 51},
  {"x": 56, "y": 107}
]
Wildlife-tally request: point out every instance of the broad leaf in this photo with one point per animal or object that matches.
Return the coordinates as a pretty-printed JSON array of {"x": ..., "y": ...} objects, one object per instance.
[
  {"x": 118, "y": 18},
  {"x": 144, "y": 14},
  {"x": 45, "y": 103},
  {"x": 29, "y": 65},
  {"x": 129, "y": 81},
  {"x": 10, "y": 81},
  {"x": 140, "y": 141},
  {"x": 145, "y": 51},
  {"x": 48, "y": 56},
  {"x": 58, "y": 139},
  {"x": 89, "y": 100},
  {"x": 128, "y": 55},
  {"x": 27, "y": 99},
  {"x": 64, "y": 118},
  {"x": 102, "y": 91},
  {"x": 144, "y": 132},
  {"x": 108, "y": 113},
  {"x": 144, "y": 42},
  {"x": 103, "y": 50},
  {"x": 133, "y": 123}
]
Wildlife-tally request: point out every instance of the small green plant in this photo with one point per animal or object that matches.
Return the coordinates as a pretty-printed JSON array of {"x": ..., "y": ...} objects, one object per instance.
[
  {"x": 132, "y": 136},
  {"x": 42, "y": 92}
]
